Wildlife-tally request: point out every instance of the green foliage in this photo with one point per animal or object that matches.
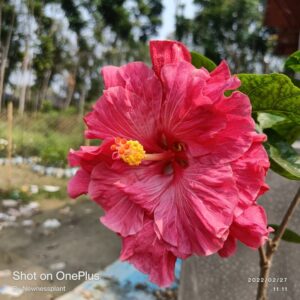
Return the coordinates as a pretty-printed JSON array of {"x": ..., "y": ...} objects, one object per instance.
[
  {"x": 227, "y": 29},
  {"x": 98, "y": 33},
  {"x": 8, "y": 22},
  {"x": 44, "y": 59},
  {"x": 272, "y": 93},
  {"x": 199, "y": 60},
  {"x": 282, "y": 125},
  {"x": 47, "y": 135},
  {"x": 276, "y": 104},
  {"x": 293, "y": 62},
  {"x": 284, "y": 159},
  {"x": 288, "y": 236}
]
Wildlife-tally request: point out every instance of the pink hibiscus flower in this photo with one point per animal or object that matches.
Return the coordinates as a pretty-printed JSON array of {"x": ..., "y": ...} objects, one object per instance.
[{"x": 180, "y": 165}]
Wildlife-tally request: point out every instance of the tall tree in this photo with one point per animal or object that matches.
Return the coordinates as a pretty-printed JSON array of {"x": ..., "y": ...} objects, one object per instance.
[
  {"x": 231, "y": 29},
  {"x": 43, "y": 61},
  {"x": 7, "y": 27}
]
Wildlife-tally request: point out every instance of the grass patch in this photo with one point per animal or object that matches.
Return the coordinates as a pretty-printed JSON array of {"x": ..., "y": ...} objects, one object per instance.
[{"x": 46, "y": 135}]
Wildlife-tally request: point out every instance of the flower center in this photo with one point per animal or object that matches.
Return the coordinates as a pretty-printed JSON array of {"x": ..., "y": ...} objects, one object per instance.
[{"x": 132, "y": 152}]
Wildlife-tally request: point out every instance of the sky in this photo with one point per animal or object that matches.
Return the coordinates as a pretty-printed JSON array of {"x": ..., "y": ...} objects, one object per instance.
[{"x": 168, "y": 16}]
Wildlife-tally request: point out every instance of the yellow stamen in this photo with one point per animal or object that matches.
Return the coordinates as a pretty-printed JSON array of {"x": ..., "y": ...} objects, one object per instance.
[{"x": 131, "y": 152}]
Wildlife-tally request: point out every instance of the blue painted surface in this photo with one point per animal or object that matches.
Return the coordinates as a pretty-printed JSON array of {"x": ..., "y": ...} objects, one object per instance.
[
  {"x": 126, "y": 273},
  {"x": 119, "y": 281}
]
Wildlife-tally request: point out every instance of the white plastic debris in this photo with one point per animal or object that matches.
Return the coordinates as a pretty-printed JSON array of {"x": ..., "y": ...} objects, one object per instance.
[
  {"x": 59, "y": 173},
  {"x": 29, "y": 209},
  {"x": 3, "y": 216},
  {"x": 27, "y": 223},
  {"x": 5, "y": 273},
  {"x": 10, "y": 291},
  {"x": 58, "y": 266},
  {"x": 9, "y": 203},
  {"x": 51, "y": 188},
  {"x": 14, "y": 212},
  {"x": 34, "y": 189},
  {"x": 65, "y": 210},
  {"x": 7, "y": 218},
  {"x": 51, "y": 224}
]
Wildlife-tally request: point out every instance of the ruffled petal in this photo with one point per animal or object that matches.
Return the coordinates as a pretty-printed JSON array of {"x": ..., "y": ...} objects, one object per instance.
[
  {"x": 195, "y": 212},
  {"x": 78, "y": 185},
  {"x": 124, "y": 217},
  {"x": 187, "y": 114},
  {"x": 229, "y": 247},
  {"x": 146, "y": 184},
  {"x": 150, "y": 255},
  {"x": 111, "y": 77},
  {"x": 220, "y": 81},
  {"x": 235, "y": 139},
  {"x": 249, "y": 172},
  {"x": 121, "y": 214},
  {"x": 167, "y": 52},
  {"x": 89, "y": 156},
  {"x": 121, "y": 111},
  {"x": 251, "y": 227}
]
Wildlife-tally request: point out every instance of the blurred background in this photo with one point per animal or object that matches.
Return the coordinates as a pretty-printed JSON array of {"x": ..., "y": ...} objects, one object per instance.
[{"x": 50, "y": 56}]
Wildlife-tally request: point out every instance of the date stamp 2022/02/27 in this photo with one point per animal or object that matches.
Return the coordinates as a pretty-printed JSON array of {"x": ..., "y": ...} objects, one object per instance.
[{"x": 276, "y": 284}]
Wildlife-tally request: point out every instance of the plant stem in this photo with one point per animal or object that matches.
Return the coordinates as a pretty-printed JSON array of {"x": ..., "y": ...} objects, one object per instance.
[{"x": 266, "y": 254}]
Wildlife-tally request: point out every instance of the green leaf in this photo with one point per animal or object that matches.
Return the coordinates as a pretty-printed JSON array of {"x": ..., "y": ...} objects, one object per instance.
[
  {"x": 288, "y": 236},
  {"x": 283, "y": 126},
  {"x": 272, "y": 93},
  {"x": 296, "y": 82},
  {"x": 268, "y": 120},
  {"x": 293, "y": 62},
  {"x": 284, "y": 158},
  {"x": 199, "y": 60}
]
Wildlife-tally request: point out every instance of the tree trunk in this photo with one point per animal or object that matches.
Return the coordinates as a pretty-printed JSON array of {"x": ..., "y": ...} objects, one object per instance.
[
  {"x": 82, "y": 102},
  {"x": 43, "y": 91},
  {"x": 4, "y": 53},
  {"x": 2, "y": 74},
  {"x": 24, "y": 85},
  {"x": 71, "y": 89},
  {"x": 25, "y": 65}
]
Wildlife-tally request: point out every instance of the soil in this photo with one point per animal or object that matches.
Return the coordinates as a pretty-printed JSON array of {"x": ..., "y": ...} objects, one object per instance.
[{"x": 82, "y": 243}]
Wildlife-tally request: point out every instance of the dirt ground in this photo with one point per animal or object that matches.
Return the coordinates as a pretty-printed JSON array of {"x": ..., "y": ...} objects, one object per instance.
[{"x": 81, "y": 243}]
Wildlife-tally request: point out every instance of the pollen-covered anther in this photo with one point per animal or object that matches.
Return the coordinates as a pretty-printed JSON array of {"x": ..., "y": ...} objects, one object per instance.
[{"x": 131, "y": 152}]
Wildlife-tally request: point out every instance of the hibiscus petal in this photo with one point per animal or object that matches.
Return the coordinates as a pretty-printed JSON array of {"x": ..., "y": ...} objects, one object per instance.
[
  {"x": 150, "y": 255},
  {"x": 199, "y": 206},
  {"x": 229, "y": 247},
  {"x": 89, "y": 156},
  {"x": 78, "y": 185},
  {"x": 167, "y": 52},
  {"x": 251, "y": 227},
  {"x": 220, "y": 81},
  {"x": 111, "y": 77},
  {"x": 187, "y": 113},
  {"x": 145, "y": 185},
  {"x": 120, "y": 112},
  {"x": 249, "y": 172},
  {"x": 142, "y": 81},
  {"x": 124, "y": 217},
  {"x": 235, "y": 139}
]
